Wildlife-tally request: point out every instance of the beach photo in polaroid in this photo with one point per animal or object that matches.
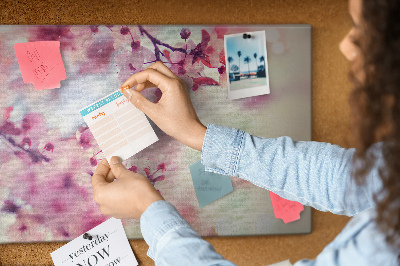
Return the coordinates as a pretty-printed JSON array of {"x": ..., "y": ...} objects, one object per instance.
[{"x": 247, "y": 66}]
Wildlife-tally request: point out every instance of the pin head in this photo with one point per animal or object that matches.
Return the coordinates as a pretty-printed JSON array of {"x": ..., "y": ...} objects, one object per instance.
[
  {"x": 87, "y": 236},
  {"x": 246, "y": 36}
]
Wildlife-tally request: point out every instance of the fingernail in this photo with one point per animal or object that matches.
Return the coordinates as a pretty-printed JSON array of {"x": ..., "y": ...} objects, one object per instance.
[
  {"x": 128, "y": 94},
  {"x": 115, "y": 160},
  {"x": 127, "y": 87}
]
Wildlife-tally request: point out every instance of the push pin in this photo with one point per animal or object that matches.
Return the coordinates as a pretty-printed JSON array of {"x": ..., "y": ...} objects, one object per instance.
[
  {"x": 246, "y": 36},
  {"x": 87, "y": 236},
  {"x": 127, "y": 87}
]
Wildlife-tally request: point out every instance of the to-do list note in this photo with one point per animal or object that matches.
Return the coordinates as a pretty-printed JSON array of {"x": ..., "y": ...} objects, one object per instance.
[{"x": 118, "y": 126}]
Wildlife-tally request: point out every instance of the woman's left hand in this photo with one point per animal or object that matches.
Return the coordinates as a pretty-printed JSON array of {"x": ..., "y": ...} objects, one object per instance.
[{"x": 128, "y": 196}]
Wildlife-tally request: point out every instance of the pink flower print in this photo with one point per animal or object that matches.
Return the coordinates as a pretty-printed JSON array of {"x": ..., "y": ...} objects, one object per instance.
[
  {"x": 124, "y": 36},
  {"x": 5, "y": 157},
  {"x": 177, "y": 61},
  {"x": 147, "y": 171},
  {"x": 214, "y": 49},
  {"x": 10, "y": 206},
  {"x": 26, "y": 142},
  {"x": 59, "y": 33},
  {"x": 181, "y": 64},
  {"x": 99, "y": 56},
  {"x": 161, "y": 167},
  {"x": 94, "y": 28},
  {"x": 83, "y": 39},
  {"x": 27, "y": 227},
  {"x": 150, "y": 175},
  {"x": 185, "y": 33},
  {"x": 93, "y": 161},
  {"x": 23, "y": 136},
  {"x": 201, "y": 51},
  {"x": 9, "y": 128},
  {"x": 124, "y": 30},
  {"x": 49, "y": 147},
  {"x": 7, "y": 112},
  {"x": 188, "y": 81},
  {"x": 86, "y": 139},
  {"x": 221, "y": 31},
  {"x": 135, "y": 45},
  {"x": 131, "y": 62},
  {"x": 59, "y": 200},
  {"x": 197, "y": 82},
  {"x": 33, "y": 125},
  {"x": 87, "y": 142},
  {"x": 67, "y": 156},
  {"x": 222, "y": 76},
  {"x": 133, "y": 169}
]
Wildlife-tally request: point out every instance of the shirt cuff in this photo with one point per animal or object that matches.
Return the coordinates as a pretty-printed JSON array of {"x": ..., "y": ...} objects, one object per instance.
[
  {"x": 159, "y": 218},
  {"x": 221, "y": 150}
]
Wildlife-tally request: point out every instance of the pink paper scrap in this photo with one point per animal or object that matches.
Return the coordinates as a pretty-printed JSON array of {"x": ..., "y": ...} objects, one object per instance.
[
  {"x": 284, "y": 209},
  {"x": 41, "y": 63}
]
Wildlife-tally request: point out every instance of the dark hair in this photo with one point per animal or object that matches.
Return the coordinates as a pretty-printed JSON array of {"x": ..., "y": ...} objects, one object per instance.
[{"x": 375, "y": 103}]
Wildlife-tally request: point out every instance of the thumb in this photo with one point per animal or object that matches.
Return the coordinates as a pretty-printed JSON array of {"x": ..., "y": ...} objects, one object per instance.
[
  {"x": 117, "y": 168},
  {"x": 138, "y": 100}
]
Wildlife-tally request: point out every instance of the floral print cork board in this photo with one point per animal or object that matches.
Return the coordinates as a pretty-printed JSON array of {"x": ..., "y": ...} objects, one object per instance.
[{"x": 48, "y": 154}]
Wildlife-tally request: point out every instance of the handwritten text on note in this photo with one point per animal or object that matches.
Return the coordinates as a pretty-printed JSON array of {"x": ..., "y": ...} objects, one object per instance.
[
  {"x": 209, "y": 186},
  {"x": 41, "y": 63}
]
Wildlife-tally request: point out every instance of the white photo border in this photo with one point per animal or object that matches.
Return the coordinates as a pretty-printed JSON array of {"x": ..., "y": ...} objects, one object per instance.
[{"x": 254, "y": 91}]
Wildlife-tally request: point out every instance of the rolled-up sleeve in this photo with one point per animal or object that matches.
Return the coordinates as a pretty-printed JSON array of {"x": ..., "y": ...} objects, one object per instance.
[{"x": 313, "y": 173}]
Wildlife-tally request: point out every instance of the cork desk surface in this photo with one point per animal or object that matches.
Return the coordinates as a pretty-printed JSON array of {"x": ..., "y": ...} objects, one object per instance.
[{"x": 329, "y": 21}]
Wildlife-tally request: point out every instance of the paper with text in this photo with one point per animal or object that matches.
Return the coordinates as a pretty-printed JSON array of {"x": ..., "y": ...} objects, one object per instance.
[
  {"x": 209, "y": 186},
  {"x": 118, "y": 126},
  {"x": 108, "y": 246},
  {"x": 41, "y": 63},
  {"x": 284, "y": 209}
]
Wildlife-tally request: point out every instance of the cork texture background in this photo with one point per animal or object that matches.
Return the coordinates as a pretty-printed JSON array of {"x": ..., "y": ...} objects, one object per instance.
[{"x": 330, "y": 22}]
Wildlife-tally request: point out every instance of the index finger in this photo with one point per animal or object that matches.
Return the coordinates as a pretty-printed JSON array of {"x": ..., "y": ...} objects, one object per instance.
[
  {"x": 100, "y": 174},
  {"x": 160, "y": 80}
]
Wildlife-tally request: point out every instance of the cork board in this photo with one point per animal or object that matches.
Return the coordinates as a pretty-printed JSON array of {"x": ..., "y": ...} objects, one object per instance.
[{"x": 330, "y": 23}]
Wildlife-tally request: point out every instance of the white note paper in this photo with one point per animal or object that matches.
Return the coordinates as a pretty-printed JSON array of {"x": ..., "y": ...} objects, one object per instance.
[
  {"x": 118, "y": 126},
  {"x": 109, "y": 247}
]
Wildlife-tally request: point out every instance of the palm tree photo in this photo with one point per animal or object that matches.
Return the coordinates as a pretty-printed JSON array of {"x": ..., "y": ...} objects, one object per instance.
[
  {"x": 247, "y": 60},
  {"x": 255, "y": 59},
  {"x": 239, "y": 54},
  {"x": 230, "y": 60},
  {"x": 261, "y": 59}
]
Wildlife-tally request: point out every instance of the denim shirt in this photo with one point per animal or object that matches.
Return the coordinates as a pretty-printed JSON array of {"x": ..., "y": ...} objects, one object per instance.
[{"x": 312, "y": 173}]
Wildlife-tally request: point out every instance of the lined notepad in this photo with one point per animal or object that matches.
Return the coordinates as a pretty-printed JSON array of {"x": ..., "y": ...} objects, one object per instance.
[{"x": 118, "y": 126}]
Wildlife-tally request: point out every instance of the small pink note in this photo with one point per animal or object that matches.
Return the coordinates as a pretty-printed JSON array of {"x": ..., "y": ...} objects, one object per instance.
[
  {"x": 284, "y": 209},
  {"x": 41, "y": 63}
]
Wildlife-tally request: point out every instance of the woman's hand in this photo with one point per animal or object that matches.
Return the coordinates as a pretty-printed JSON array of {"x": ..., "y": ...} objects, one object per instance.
[
  {"x": 128, "y": 196},
  {"x": 174, "y": 113}
]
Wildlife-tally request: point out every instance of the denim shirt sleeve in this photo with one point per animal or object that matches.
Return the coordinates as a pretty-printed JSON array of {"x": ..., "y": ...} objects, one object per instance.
[
  {"x": 172, "y": 241},
  {"x": 312, "y": 173}
]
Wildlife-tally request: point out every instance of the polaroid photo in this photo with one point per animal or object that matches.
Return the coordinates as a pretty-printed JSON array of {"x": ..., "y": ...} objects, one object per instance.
[{"x": 247, "y": 65}]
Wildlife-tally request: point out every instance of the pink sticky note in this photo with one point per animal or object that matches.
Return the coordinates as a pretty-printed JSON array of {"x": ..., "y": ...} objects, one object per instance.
[
  {"x": 284, "y": 209},
  {"x": 41, "y": 64}
]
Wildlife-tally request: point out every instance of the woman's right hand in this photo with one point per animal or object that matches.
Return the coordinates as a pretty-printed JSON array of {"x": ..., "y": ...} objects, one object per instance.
[{"x": 174, "y": 113}]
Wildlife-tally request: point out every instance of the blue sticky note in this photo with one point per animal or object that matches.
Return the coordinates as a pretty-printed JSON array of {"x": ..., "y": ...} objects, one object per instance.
[{"x": 209, "y": 186}]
